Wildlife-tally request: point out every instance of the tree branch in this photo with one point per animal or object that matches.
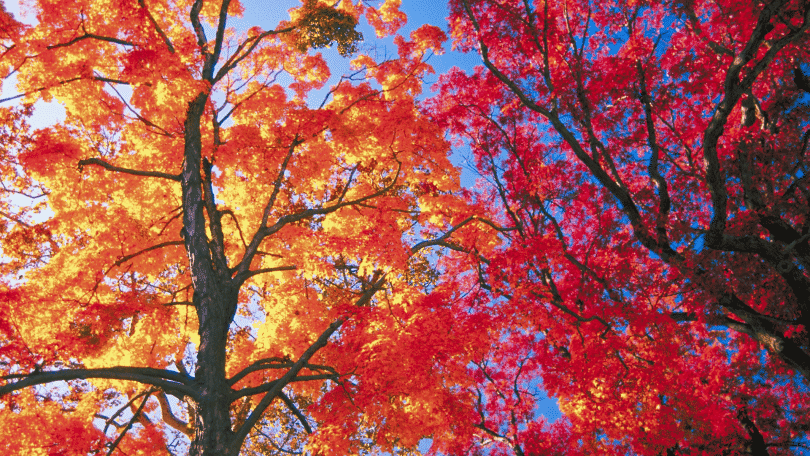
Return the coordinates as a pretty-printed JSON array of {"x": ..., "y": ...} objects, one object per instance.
[
  {"x": 174, "y": 383},
  {"x": 219, "y": 38},
  {"x": 111, "y": 420},
  {"x": 157, "y": 27},
  {"x": 734, "y": 89},
  {"x": 253, "y": 43},
  {"x": 619, "y": 191},
  {"x": 265, "y": 231},
  {"x": 276, "y": 386},
  {"x": 256, "y": 272},
  {"x": 217, "y": 244},
  {"x": 290, "y": 405},
  {"x": 40, "y": 89},
  {"x": 169, "y": 418},
  {"x": 270, "y": 386},
  {"x": 756, "y": 442},
  {"x": 761, "y": 328},
  {"x": 134, "y": 172},
  {"x": 664, "y": 202},
  {"x": 124, "y": 259},
  {"x": 440, "y": 240},
  {"x": 258, "y": 236},
  {"x": 130, "y": 423},
  {"x": 91, "y": 36},
  {"x": 262, "y": 364}
]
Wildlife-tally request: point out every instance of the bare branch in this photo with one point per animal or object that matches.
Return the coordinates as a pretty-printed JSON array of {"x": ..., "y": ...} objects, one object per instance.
[
  {"x": 199, "y": 30},
  {"x": 179, "y": 303},
  {"x": 131, "y": 422},
  {"x": 124, "y": 259},
  {"x": 259, "y": 235},
  {"x": 169, "y": 418},
  {"x": 94, "y": 37},
  {"x": 134, "y": 172},
  {"x": 40, "y": 89},
  {"x": 256, "y": 272},
  {"x": 251, "y": 44},
  {"x": 111, "y": 420},
  {"x": 215, "y": 218},
  {"x": 174, "y": 383},
  {"x": 157, "y": 27},
  {"x": 277, "y": 385},
  {"x": 219, "y": 38},
  {"x": 664, "y": 202},
  {"x": 734, "y": 88},
  {"x": 272, "y": 385},
  {"x": 265, "y": 231},
  {"x": 275, "y": 363},
  {"x": 290, "y": 405},
  {"x": 266, "y": 363},
  {"x": 440, "y": 240},
  {"x": 619, "y": 191}
]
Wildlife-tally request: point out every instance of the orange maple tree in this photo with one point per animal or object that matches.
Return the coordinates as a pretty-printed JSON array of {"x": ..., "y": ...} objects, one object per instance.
[
  {"x": 646, "y": 164},
  {"x": 200, "y": 258}
]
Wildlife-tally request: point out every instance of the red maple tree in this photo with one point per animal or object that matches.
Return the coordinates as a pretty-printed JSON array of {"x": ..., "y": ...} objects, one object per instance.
[{"x": 646, "y": 164}]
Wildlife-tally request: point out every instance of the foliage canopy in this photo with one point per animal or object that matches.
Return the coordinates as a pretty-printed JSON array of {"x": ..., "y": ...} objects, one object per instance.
[{"x": 200, "y": 259}]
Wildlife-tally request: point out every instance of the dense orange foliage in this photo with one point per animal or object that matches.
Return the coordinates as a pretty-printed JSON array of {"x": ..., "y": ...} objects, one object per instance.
[{"x": 195, "y": 231}]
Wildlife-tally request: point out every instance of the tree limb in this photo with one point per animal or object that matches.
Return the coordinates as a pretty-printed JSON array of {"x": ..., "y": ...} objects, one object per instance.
[
  {"x": 269, "y": 386},
  {"x": 126, "y": 258},
  {"x": 217, "y": 243},
  {"x": 169, "y": 418},
  {"x": 157, "y": 27},
  {"x": 111, "y": 420},
  {"x": 130, "y": 423},
  {"x": 262, "y": 364},
  {"x": 258, "y": 236},
  {"x": 277, "y": 385},
  {"x": 92, "y": 36},
  {"x": 440, "y": 240},
  {"x": 256, "y": 272},
  {"x": 734, "y": 88},
  {"x": 174, "y": 383},
  {"x": 276, "y": 363},
  {"x": 251, "y": 44},
  {"x": 134, "y": 172},
  {"x": 290, "y": 405}
]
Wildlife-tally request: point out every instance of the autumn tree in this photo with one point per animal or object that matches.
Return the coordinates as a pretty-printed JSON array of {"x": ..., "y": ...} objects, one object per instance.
[
  {"x": 646, "y": 164},
  {"x": 202, "y": 258}
]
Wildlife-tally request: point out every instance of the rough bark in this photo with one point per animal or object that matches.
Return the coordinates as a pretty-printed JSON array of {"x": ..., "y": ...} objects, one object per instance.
[{"x": 213, "y": 299}]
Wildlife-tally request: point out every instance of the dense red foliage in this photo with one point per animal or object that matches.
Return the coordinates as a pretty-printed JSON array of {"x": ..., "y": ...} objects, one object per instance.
[
  {"x": 647, "y": 164},
  {"x": 179, "y": 251}
]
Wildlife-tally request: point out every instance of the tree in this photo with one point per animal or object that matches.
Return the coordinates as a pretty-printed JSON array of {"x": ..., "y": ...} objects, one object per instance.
[
  {"x": 646, "y": 164},
  {"x": 199, "y": 256}
]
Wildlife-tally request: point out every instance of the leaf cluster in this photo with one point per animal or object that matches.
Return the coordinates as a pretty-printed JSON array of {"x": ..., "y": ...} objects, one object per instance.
[{"x": 320, "y": 25}]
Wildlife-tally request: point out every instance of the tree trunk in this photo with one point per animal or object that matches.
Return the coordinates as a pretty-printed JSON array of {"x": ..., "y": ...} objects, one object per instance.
[
  {"x": 214, "y": 298},
  {"x": 212, "y": 429}
]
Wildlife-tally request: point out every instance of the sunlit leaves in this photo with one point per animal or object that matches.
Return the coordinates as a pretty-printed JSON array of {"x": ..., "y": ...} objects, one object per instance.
[{"x": 309, "y": 217}]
